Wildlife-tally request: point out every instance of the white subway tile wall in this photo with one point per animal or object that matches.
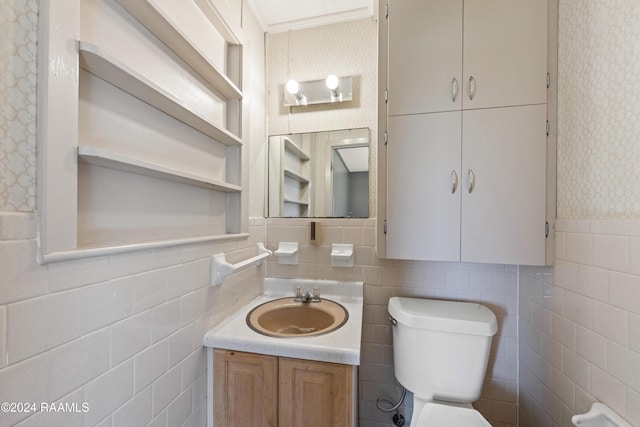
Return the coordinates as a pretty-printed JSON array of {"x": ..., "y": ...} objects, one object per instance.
[
  {"x": 122, "y": 333},
  {"x": 493, "y": 285},
  {"x": 580, "y": 327},
  {"x": 579, "y": 321}
]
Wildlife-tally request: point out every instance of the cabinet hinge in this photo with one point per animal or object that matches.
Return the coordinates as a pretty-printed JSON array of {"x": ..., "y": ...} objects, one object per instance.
[
  {"x": 386, "y": 10},
  {"x": 385, "y": 226},
  {"x": 548, "y": 128},
  {"x": 546, "y": 229},
  {"x": 548, "y": 80},
  {"x": 386, "y": 138},
  {"x": 386, "y": 96}
]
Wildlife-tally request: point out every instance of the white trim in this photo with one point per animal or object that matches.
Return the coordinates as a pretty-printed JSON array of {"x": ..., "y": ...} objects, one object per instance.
[
  {"x": 259, "y": 15},
  {"x": 316, "y": 21},
  {"x": 612, "y": 227}
]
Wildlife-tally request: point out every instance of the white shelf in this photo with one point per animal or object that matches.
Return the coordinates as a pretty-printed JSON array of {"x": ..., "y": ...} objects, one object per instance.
[
  {"x": 293, "y": 175},
  {"x": 296, "y": 202},
  {"x": 109, "y": 159},
  {"x": 108, "y": 68},
  {"x": 170, "y": 34},
  {"x": 291, "y": 147}
]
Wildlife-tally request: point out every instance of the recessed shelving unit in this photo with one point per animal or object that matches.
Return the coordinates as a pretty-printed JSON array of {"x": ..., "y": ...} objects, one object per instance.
[
  {"x": 289, "y": 173},
  {"x": 104, "y": 158},
  {"x": 79, "y": 125},
  {"x": 101, "y": 64}
]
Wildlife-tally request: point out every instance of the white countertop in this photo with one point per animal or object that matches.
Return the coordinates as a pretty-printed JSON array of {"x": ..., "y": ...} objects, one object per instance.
[{"x": 339, "y": 346}]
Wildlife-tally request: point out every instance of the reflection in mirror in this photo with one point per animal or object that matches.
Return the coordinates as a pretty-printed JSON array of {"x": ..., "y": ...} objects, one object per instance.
[{"x": 319, "y": 174}]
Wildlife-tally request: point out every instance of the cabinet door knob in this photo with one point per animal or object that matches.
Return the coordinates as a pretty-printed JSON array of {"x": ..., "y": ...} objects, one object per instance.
[
  {"x": 472, "y": 181},
  {"x": 454, "y": 181},
  {"x": 472, "y": 88},
  {"x": 454, "y": 89}
]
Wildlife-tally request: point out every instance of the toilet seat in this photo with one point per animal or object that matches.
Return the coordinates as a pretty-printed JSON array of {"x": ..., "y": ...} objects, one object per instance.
[{"x": 449, "y": 415}]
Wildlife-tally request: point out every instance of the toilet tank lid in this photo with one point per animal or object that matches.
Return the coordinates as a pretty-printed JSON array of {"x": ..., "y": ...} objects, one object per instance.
[{"x": 446, "y": 316}]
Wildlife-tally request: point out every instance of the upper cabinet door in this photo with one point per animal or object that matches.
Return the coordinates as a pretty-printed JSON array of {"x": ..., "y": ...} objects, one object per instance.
[
  {"x": 425, "y": 56},
  {"x": 423, "y": 186},
  {"x": 505, "y": 53},
  {"x": 504, "y": 190}
]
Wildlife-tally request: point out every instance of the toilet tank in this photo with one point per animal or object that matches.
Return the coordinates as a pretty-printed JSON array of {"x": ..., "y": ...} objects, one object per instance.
[{"x": 441, "y": 348}]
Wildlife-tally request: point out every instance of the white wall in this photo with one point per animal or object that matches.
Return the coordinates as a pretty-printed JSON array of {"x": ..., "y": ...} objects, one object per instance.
[
  {"x": 121, "y": 333},
  {"x": 351, "y": 49},
  {"x": 580, "y": 321}
]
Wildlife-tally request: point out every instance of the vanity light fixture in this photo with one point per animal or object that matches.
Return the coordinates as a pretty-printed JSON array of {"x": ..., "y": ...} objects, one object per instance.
[
  {"x": 333, "y": 83},
  {"x": 330, "y": 90},
  {"x": 293, "y": 88}
]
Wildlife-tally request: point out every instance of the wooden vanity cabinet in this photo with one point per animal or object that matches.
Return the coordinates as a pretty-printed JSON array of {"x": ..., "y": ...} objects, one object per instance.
[
  {"x": 245, "y": 389},
  {"x": 314, "y": 394},
  {"x": 256, "y": 390}
]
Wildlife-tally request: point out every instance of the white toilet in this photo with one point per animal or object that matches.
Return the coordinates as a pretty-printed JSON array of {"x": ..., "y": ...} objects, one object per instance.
[{"x": 440, "y": 351}]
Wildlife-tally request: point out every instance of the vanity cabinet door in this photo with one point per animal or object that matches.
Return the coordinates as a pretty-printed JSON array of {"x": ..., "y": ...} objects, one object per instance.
[
  {"x": 245, "y": 389},
  {"x": 315, "y": 394}
]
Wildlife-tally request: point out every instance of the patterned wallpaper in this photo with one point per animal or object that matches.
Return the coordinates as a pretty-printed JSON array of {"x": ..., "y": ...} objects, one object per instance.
[
  {"x": 345, "y": 49},
  {"x": 599, "y": 109},
  {"x": 18, "y": 76},
  {"x": 599, "y": 130}
]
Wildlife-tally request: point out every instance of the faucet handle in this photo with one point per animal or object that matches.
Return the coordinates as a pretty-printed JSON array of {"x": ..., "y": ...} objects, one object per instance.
[
  {"x": 316, "y": 294},
  {"x": 298, "y": 293}
]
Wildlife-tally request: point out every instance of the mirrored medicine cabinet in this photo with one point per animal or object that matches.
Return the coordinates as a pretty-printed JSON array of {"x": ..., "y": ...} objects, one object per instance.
[{"x": 319, "y": 174}]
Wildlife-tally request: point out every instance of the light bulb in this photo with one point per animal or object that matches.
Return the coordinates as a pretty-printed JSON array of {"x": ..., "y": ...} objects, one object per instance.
[
  {"x": 293, "y": 87},
  {"x": 332, "y": 82}
]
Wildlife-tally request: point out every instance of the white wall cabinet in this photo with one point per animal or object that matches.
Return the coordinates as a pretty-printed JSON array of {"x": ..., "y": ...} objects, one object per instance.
[
  {"x": 452, "y": 54},
  {"x": 464, "y": 167}
]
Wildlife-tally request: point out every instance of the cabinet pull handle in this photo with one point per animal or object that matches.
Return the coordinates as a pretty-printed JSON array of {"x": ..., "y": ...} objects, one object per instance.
[
  {"x": 472, "y": 181},
  {"x": 454, "y": 181},
  {"x": 454, "y": 89},
  {"x": 472, "y": 88}
]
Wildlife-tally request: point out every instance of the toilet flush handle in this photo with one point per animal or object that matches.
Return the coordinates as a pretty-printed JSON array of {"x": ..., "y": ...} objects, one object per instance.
[{"x": 393, "y": 321}]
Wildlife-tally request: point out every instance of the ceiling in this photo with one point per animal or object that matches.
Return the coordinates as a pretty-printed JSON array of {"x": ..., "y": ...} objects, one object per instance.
[{"x": 284, "y": 15}]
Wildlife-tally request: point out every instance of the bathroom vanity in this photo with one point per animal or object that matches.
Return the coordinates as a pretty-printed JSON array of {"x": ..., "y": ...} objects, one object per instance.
[
  {"x": 281, "y": 391},
  {"x": 286, "y": 380}
]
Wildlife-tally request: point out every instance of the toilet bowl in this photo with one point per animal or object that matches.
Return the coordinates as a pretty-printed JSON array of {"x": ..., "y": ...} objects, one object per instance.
[
  {"x": 441, "y": 350},
  {"x": 442, "y": 414}
]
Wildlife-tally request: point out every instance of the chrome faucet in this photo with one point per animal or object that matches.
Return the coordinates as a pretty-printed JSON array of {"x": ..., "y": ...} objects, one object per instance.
[{"x": 306, "y": 297}]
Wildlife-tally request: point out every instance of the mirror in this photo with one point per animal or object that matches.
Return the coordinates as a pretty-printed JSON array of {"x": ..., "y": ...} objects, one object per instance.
[{"x": 319, "y": 174}]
